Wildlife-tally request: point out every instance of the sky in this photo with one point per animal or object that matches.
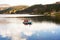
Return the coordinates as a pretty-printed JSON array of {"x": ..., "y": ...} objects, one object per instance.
[{"x": 27, "y": 2}]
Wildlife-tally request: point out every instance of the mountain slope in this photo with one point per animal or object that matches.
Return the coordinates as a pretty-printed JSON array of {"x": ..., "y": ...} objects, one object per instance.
[
  {"x": 41, "y": 9},
  {"x": 12, "y": 10}
]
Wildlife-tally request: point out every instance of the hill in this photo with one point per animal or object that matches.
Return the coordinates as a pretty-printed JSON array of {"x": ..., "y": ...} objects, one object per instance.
[
  {"x": 48, "y": 9},
  {"x": 33, "y": 9},
  {"x": 13, "y": 9}
]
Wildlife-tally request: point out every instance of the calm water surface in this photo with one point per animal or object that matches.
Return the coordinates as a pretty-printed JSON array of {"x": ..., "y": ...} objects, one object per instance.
[{"x": 14, "y": 29}]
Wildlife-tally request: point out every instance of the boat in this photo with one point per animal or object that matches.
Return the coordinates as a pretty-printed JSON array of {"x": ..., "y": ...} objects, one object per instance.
[{"x": 27, "y": 22}]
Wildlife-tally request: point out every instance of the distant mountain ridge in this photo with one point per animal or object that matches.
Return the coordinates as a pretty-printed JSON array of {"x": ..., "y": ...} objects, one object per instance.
[
  {"x": 4, "y": 6},
  {"x": 34, "y": 9}
]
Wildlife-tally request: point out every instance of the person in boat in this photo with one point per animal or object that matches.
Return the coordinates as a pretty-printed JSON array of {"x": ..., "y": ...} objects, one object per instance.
[{"x": 27, "y": 22}]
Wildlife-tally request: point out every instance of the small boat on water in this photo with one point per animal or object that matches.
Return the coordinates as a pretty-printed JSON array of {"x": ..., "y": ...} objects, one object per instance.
[{"x": 27, "y": 22}]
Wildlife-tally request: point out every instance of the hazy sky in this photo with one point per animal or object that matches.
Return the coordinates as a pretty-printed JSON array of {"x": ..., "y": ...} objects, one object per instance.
[{"x": 27, "y": 2}]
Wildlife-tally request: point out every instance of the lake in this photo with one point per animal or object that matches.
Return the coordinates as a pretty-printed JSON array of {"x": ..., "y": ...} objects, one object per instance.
[{"x": 42, "y": 28}]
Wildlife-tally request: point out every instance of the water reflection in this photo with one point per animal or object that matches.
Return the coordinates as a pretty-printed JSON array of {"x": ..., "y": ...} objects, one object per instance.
[{"x": 41, "y": 30}]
